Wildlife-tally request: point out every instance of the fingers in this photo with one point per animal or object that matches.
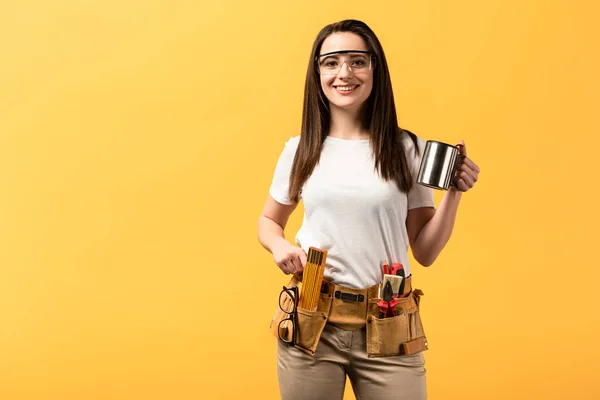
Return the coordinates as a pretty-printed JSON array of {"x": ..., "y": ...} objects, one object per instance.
[
  {"x": 464, "y": 181},
  {"x": 297, "y": 265},
  {"x": 461, "y": 185},
  {"x": 286, "y": 267},
  {"x": 469, "y": 163},
  {"x": 293, "y": 262},
  {"x": 462, "y": 148},
  {"x": 467, "y": 172},
  {"x": 466, "y": 169},
  {"x": 302, "y": 258},
  {"x": 465, "y": 177}
]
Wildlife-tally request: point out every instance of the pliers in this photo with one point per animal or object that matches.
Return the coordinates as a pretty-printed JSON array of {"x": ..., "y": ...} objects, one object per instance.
[{"x": 389, "y": 302}]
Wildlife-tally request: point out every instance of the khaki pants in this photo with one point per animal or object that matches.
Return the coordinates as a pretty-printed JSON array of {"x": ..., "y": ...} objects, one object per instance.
[{"x": 343, "y": 352}]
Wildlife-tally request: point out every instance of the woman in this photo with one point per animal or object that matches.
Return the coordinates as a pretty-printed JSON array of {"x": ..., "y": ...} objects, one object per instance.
[{"x": 355, "y": 171}]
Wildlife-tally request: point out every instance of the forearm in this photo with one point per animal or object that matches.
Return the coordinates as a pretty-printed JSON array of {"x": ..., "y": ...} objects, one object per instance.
[
  {"x": 269, "y": 233},
  {"x": 435, "y": 234}
]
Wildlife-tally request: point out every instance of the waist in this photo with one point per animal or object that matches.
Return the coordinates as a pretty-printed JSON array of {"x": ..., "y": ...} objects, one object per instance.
[
  {"x": 348, "y": 307},
  {"x": 353, "y": 294}
]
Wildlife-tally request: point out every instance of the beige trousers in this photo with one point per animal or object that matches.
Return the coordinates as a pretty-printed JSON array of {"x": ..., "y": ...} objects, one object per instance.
[{"x": 343, "y": 352}]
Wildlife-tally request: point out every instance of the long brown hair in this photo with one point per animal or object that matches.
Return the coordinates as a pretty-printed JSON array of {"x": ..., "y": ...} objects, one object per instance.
[{"x": 379, "y": 113}]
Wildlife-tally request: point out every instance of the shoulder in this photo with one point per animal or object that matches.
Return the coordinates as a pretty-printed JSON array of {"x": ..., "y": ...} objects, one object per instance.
[
  {"x": 293, "y": 142},
  {"x": 289, "y": 149},
  {"x": 408, "y": 141}
]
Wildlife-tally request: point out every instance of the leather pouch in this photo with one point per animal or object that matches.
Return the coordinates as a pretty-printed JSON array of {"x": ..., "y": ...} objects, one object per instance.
[
  {"x": 399, "y": 335},
  {"x": 310, "y": 322},
  {"x": 349, "y": 314}
]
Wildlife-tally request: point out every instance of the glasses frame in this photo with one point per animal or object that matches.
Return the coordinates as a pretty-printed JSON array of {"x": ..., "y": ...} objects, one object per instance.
[
  {"x": 372, "y": 59},
  {"x": 291, "y": 316}
]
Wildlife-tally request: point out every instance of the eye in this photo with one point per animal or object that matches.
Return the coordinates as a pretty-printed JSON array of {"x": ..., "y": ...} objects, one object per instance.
[{"x": 330, "y": 63}]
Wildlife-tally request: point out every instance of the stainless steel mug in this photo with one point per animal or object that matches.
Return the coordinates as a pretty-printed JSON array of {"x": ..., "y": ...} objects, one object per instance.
[{"x": 438, "y": 165}]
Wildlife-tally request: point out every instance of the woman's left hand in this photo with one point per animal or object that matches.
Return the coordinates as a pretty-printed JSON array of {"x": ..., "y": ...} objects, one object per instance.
[{"x": 467, "y": 172}]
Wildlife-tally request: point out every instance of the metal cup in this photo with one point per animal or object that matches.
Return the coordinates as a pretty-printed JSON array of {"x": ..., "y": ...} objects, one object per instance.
[{"x": 438, "y": 165}]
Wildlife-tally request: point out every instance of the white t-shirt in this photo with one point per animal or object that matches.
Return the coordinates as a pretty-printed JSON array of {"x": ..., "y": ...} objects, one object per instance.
[{"x": 351, "y": 212}]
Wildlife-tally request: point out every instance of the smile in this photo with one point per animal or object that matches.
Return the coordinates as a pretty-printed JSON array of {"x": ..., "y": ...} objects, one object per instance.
[{"x": 346, "y": 89}]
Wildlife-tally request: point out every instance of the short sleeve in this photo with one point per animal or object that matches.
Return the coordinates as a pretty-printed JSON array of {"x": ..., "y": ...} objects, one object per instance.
[
  {"x": 419, "y": 195},
  {"x": 280, "y": 186}
]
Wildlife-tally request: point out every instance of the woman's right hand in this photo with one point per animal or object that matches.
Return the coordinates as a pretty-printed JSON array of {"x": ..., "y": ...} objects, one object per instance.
[{"x": 289, "y": 258}]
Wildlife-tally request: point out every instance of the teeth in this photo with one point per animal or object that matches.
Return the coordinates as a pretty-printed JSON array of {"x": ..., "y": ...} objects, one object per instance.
[{"x": 346, "y": 88}]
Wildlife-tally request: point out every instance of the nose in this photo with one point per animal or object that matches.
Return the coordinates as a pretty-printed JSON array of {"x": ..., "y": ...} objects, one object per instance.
[{"x": 345, "y": 71}]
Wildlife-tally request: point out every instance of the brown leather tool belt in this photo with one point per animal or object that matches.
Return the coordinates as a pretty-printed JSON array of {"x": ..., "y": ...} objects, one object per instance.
[{"x": 354, "y": 309}]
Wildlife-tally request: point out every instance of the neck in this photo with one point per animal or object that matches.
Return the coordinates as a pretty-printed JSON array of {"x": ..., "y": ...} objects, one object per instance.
[{"x": 347, "y": 124}]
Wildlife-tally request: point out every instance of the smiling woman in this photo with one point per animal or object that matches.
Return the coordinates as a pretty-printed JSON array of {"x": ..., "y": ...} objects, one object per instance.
[{"x": 355, "y": 171}]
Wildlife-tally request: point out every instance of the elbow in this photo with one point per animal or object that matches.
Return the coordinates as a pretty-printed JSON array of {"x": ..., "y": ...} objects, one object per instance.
[
  {"x": 426, "y": 263},
  {"x": 259, "y": 229},
  {"x": 425, "y": 260}
]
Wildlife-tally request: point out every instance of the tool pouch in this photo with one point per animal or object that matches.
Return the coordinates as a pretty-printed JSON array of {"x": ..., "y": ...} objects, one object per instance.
[
  {"x": 310, "y": 322},
  {"x": 399, "y": 335}
]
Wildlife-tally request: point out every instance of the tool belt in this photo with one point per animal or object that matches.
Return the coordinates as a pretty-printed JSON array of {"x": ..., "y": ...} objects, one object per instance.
[{"x": 354, "y": 309}]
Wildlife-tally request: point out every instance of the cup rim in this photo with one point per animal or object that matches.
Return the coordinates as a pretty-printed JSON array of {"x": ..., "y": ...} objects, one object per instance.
[{"x": 444, "y": 143}]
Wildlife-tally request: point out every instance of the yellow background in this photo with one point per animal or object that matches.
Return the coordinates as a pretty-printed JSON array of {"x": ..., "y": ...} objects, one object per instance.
[{"x": 137, "y": 144}]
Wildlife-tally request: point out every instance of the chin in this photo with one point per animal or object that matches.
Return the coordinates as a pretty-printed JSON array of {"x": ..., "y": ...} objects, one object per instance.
[{"x": 347, "y": 105}]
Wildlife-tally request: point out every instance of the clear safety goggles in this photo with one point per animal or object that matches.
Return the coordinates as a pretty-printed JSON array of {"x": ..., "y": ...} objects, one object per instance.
[{"x": 356, "y": 61}]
